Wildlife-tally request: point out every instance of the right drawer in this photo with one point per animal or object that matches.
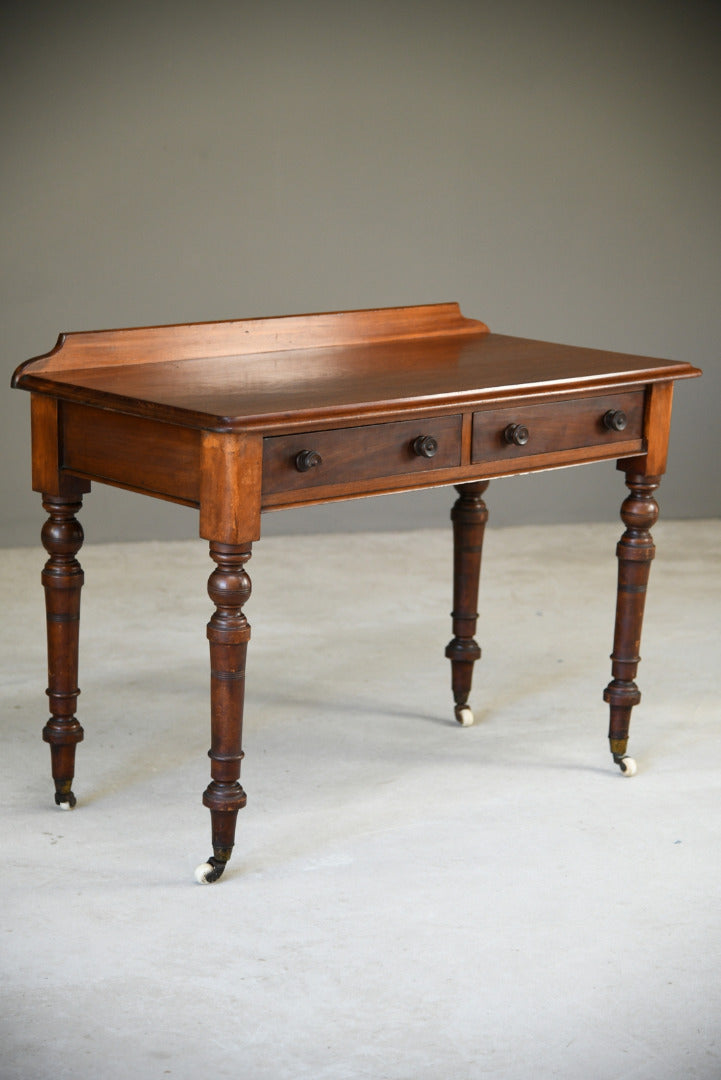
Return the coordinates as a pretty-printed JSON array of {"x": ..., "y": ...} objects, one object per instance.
[{"x": 527, "y": 430}]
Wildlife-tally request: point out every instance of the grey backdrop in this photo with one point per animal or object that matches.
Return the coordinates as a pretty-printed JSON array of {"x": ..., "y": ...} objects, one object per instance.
[{"x": 554, "y": 167}]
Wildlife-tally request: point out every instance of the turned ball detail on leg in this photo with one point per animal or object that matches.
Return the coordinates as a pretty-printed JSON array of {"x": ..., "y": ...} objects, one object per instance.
[
  {"x": 469, "y": 516},
  {"x": 62, "y": 579},
  {"x": 635, "y": 553},
  {"x": 228, "y": 634}
]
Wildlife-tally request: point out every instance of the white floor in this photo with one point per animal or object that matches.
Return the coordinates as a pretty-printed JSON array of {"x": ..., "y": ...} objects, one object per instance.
[{"x": 407, "y": 899}]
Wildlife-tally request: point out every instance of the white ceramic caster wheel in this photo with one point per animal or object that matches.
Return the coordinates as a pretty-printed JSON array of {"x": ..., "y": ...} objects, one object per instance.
[
  {"x": 210, "y": 871},
  {"x": 628, "y": 765},
  {"x": 65, "y": 805},
  {"x": 464, "y": 715}
]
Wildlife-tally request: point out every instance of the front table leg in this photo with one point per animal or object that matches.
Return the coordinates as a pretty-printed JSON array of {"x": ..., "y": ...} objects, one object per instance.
[
  {"x": 635, "y": 553},
  {"x": 469, "y": 516},
  {"x": 62, "y": 579},
  {"x": 228, "y": 634}
]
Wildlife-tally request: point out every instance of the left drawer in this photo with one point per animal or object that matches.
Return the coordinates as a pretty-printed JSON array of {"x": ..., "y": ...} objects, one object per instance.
[{"x": 317, "y": 458}]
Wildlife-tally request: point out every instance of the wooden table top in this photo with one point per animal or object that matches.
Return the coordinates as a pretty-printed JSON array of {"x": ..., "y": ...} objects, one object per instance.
[{"x": 269, "y": 374}]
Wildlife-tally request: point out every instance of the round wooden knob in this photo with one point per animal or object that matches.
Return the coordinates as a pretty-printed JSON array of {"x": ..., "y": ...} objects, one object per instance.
[
  {"x": 615, "y": 420},
  {"x": 307, "y": 459},
  {"x": 425, "y": 446},
  {"x": 516, "y": 434}
]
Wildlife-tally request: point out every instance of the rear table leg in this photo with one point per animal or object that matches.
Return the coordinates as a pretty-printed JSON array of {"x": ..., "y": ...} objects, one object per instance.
[
  {"x": 469, "y": 516},
  {"x": 62, "y": 578}
]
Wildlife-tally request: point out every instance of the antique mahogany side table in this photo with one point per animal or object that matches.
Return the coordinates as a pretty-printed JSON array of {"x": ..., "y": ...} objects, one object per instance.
[{"x": 235, "y": 418}]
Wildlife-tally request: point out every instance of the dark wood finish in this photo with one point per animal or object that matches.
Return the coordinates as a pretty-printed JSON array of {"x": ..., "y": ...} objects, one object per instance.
[
  {"x": 62, "y": 578},
  {"x": 437, "y": 477},
  {"x": 243, "y": 416},
  {"x": 563, "y": 425},
  {"x": 469, "y": 516},
  {"x": 307, "y": 459},
  {"x": 359, "y": 453},
  {"x": 425, "y": 446},
  {"x": 516, "y": 435},
  {"x": 635, "y": 553},
  {"x": 615, "y": 420}
]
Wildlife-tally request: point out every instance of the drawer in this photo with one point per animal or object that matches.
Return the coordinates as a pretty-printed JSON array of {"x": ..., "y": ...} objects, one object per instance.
[
  {"x": 316, "y": 458},
  {"x": 527, "y": 430}
]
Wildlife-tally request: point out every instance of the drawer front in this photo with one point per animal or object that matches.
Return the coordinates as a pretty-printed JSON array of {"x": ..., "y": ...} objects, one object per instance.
[
  {"x": 316, "y": 458},
  {"x": 527, "y": 430}
]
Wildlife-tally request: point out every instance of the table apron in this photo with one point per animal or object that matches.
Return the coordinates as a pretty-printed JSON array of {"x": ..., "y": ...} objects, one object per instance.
[
  {"x": 164, "y": 460},
  {"x": 143, "y": 455}
]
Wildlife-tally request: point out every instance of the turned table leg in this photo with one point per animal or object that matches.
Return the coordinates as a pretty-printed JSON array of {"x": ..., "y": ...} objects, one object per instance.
[
  {"x": 228, "y": 634},
  {"x": 469, "y": 516},
  {"x": 635, "y": 553},
  {"x": 62, "y": 578}
]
